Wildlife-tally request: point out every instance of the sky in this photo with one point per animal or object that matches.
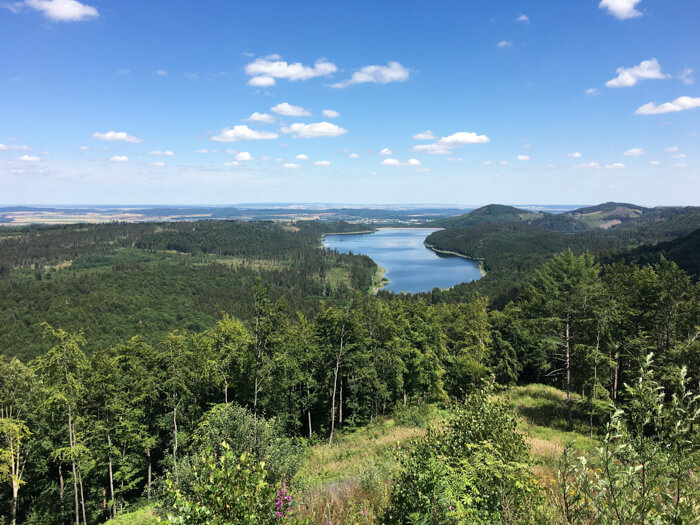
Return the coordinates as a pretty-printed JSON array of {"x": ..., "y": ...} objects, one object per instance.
[{"x": 398, "y": 102}]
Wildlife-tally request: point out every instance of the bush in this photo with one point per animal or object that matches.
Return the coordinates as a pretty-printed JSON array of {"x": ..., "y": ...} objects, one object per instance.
[{"x": 476, "y": 470}]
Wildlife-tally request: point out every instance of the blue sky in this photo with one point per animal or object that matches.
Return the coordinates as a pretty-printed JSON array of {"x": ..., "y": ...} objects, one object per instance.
[{"x": 465, "y": 102}]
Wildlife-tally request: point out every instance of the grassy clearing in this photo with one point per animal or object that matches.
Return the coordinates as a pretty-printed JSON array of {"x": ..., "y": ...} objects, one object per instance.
[
  {"x": 350, "y": 482},
  {"x": 143, "y": 516}
]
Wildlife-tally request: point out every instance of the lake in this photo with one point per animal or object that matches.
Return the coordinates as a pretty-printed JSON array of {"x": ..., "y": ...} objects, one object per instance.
[{"x": 410, "y": 266}]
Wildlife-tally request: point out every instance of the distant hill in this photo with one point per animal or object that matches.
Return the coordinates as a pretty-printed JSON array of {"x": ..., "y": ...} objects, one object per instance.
[{"x": 498, "y": 213}]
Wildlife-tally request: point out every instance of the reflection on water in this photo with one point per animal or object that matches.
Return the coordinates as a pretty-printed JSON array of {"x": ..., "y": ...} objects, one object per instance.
[{"x": 409, "y": 265}]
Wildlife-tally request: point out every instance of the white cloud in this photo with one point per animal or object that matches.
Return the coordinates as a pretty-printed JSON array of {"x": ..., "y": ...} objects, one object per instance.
[
  {"x": 424, "y": 135},
  {"x": 672, "y": 149},
  {"x": 629, "y": 76},
  {"x": 687, "y": 76},
  {"x": 622, "y": 9},
  {"x": 202, "y": 151},
  {"x": 232, "y": 163},
  {"x": 290, "y": 111},
  {"x": 615, "y": 165},
  {"x": 634, "y": 152},
  {"x": 316, "y": 129},
  {"x": 158, "y": 164},
  {"x": 523, "y": 157},
  {"x": 679, "y": 156},
  {"x": 591, "y": 91},
  {"x": 243, "y": 132},
  {"x": 119, "y": 158},
  {"x": 396, "y": 162},
  {"x": 681, "y": 165},
  {"x": 386, "y": 151},
  {"x": 244, "y": 155},
  {"x": 392, "y": 72},
  {"x": 260, "y": 117},
  {"x": 503, "y": 162},
  {"x": 28, "y": 158},
  {"x": 455, "y": 159},
  {"x": 523, "y": 18},
  {"x": 116, "y": 136},
  {"x": 488, "y": 162},
  {"x": 654, "y": 163},
  {"x": 575, "y": 155},
  {"x": 15, "y": 147},
  {"x": 166, "y": 153},
  {"x": 261, "y": 81},
  {"x": 63, "y": 10},
  {"x": 330, "y": 113},
  {"x": 302, "y": 157},
  {"x": 445, "y": 144},
  {"x": 291, "y": 165},
  {"x": 680, "y": 104},
  {"x": 161, "y": 72},
  {"x": 587, "y": 165},
  {"x": 322, "y": 163},
  {"x": 265, "y": 70},
  {"x": 354, "y": 156},
  {"x": 504, "y": 44}
]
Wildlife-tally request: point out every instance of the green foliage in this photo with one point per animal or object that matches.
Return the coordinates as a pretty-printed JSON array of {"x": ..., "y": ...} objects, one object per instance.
[
  {"x": 475, "y": 470},
  {"x": 230, "y": 490},
  {"x": 646, "y": 469}
]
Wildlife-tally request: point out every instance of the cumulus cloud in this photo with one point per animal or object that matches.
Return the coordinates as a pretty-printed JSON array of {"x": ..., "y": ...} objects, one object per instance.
[
  {"x": 615, "y": 165},
  {"x": 302, "y": 157},
  {"x": 392, "y": 72},
  {"x": 635, "y": 152},
  {"x": 488, "y": 162},
  {"x": 244, "y": 155},
  {"x": 396, "y": 162},
  {"x": 671, "y": 149},
  {"x": 119, "y": 158},
  {"x": 424, "y": 135},
  {"x": 15, "y": 147},
  {"x": 575, "y": 155},
  {"x": 591, "y": 91},
  {"x": 654, "y": 163},
  {"x": 63, "y": 10},
  {"x": 260, "y": 117},
  {"x": 587, "y": 165},
  {"x": 112, "y": 136},
  {"x": 288, "y": 110},
  {"x": 354, "y": 156},
  {"x": 158, "y": 164},
  {"x": 243, "y": 132},
  {"x": 161, "y": 72},
  {"x": 316, "y": 129},
  {"x": 28, "y": 158},
  {"x": 330, "y": 113},
  {"x": 291, "y": 165},
  {"x": 166, "y": 153},
  {"x": 679, "y": 156},
  {"x": 232, "y": 163},
  {"x": 322, "y": 163},
  {"x": 680, "y": 104},
  {"x": 523, "y": 157},
  {"x": 622, "y": 9},
  {"x": 202, "y": 151},
  {"x": 523, "y": 18},
  {"x": 386, "y": 151},
  {"x": 504, "y": 43},
  {"x": 455, "y": 159},
  {"x": 265, "y": 70},
  {"x": 444, "y": 145},
  {"x": 681, "y": 165},
  {"x": 629, "y": 76}
]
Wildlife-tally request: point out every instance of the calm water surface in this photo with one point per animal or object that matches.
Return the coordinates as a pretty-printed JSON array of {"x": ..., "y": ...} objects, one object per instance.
[{"x": 410, "y": 266}]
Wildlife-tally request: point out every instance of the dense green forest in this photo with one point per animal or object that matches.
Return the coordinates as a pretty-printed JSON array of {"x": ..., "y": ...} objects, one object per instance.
[{"x": 203, "y": 372}]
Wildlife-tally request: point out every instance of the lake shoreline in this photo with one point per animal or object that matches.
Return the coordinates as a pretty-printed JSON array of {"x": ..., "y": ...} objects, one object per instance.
[{"x": 480, "y": 262}]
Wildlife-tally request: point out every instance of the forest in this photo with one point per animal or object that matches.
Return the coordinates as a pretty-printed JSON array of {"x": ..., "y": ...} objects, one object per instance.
[{"x": 229, "y": 372}]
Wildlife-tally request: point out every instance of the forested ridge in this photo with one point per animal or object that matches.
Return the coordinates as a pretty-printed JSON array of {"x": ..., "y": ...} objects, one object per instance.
[{"x": 268, "y": 351}]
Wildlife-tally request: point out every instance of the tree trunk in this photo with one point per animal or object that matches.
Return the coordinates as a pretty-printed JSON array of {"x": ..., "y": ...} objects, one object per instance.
[
  {"x": 617, "y": 371},
  {"x": 72, "y": 460},
  {"x": 568, "y": 375},
  {"x": 175, "y": 439},
  {"x": 82, "y": 493},
  {"x": 338, "y": 357},
  {"x": 340, "y": 405},
  {"x": 61, "y": 485},
  {"x": 148, "y": 480},
  {"x": 15, "y": 491},
  {"x": 308, "y": 410},
  {"x": 595, "y": 379},
  {"x": 111, "y": 475}
]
